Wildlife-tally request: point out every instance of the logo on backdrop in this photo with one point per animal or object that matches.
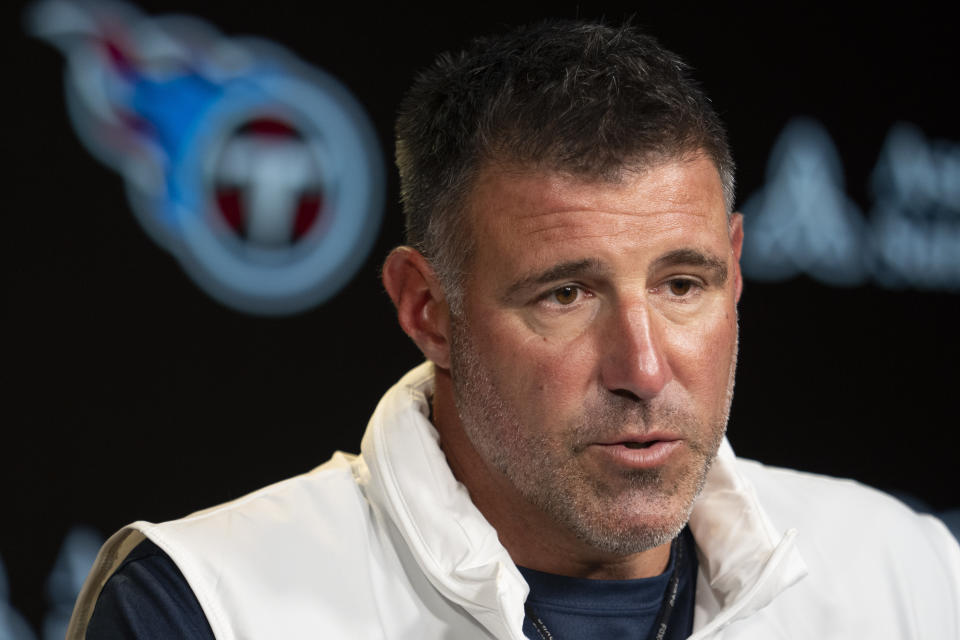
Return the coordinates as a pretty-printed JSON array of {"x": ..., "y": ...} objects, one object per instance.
[
  {"x": 259, "y": 173},
  {"x": 76, "y": 558},
  {"x": 802, "y": 220}
]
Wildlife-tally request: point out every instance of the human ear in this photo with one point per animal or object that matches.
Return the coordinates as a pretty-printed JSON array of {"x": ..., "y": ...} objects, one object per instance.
[
  {"x": 735, "y": 226},
  {"x": 422, "y": 309}
]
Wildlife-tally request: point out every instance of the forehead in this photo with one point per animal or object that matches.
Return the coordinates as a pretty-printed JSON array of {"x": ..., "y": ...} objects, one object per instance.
[{"x": 526, "y": 210}]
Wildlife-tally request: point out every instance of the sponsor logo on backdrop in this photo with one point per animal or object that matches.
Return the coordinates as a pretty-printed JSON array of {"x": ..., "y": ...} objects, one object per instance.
[
  {"x": 259, "y": 173},
  {"x": 802, "y": 221},
  {"x": 74, "y": 561}
]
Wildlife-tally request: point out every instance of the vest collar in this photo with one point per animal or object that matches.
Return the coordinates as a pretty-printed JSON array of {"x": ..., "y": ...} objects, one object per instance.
[
  {"x": 454, "y": 545},
  {"x": 744, "y": 560}
]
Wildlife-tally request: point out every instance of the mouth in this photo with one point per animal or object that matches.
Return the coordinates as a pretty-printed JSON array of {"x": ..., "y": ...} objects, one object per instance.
[
  {"x": 648, "y": 451},
  {"x": 644, "y": 441}
]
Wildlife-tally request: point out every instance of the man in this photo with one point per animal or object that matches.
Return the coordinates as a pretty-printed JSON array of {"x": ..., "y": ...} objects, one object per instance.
[{"x": 558, "y": 468}]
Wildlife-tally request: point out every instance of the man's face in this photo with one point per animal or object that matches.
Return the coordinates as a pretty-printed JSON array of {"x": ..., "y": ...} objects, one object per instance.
[{"x": 593, "y": 361}]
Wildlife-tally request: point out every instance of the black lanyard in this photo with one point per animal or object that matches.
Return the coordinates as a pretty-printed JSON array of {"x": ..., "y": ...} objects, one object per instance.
[{"x": 659, "y": 630}]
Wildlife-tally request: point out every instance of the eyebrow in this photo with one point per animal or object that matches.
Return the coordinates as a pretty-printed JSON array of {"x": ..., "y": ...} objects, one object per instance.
[
  {"x": 692, "y": 258},
  {"x": 561, "y": 271}
]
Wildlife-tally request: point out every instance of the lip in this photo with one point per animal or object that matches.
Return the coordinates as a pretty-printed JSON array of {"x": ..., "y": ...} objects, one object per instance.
[{"x": 639, "y": 452}]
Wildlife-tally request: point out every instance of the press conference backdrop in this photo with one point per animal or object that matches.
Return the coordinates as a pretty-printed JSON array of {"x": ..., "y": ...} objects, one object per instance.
[{"x": 196, "y": 210}]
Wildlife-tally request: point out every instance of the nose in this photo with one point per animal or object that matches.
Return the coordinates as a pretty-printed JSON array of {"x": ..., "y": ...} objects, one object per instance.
[{"x": 635, "y": 355}]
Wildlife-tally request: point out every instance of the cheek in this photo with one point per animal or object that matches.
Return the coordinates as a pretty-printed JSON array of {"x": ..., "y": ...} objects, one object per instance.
[
  {"x": 545, "y": 378},
  {"x": 701, "y": 355}
]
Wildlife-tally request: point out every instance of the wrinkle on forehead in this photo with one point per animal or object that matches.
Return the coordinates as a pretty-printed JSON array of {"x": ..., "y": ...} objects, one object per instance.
[
  {"x": 623, "y": 223},
  {"x": 538, "y": 195}
]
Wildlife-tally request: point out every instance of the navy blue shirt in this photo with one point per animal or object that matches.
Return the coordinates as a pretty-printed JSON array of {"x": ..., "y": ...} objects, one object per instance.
[
  {"x": 624, "y": 609},
  {"x": 147, "y": 598}
]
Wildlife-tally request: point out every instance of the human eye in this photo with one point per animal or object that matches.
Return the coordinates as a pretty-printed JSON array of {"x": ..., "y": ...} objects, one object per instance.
[
  {"x": 566, "y": 296},
  {"x": 683, "y": 288}
]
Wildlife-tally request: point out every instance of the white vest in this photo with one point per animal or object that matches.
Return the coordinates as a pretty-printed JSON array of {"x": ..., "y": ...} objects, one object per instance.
[{"x": 388, "y": 545}]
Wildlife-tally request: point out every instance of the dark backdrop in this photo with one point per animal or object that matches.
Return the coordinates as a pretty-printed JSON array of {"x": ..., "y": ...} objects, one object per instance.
[{"x": 130, "y": 394}]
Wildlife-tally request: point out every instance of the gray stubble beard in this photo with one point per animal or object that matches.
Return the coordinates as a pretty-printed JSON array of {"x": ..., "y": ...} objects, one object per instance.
[{"x": 541, "y": 466}]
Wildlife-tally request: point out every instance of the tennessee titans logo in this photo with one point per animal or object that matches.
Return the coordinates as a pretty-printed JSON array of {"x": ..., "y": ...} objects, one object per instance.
[{"x": 259, "y": 173}]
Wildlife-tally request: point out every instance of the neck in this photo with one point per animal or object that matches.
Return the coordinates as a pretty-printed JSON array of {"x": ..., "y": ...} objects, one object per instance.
[{"x": 532, "y": 538}]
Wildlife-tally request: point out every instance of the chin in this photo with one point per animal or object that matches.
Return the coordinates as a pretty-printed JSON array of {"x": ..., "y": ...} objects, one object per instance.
[{"x": 634, "y": 532}]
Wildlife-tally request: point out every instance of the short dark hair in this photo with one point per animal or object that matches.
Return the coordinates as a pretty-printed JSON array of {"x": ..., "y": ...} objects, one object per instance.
[{"x": 584, "y": 98}]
